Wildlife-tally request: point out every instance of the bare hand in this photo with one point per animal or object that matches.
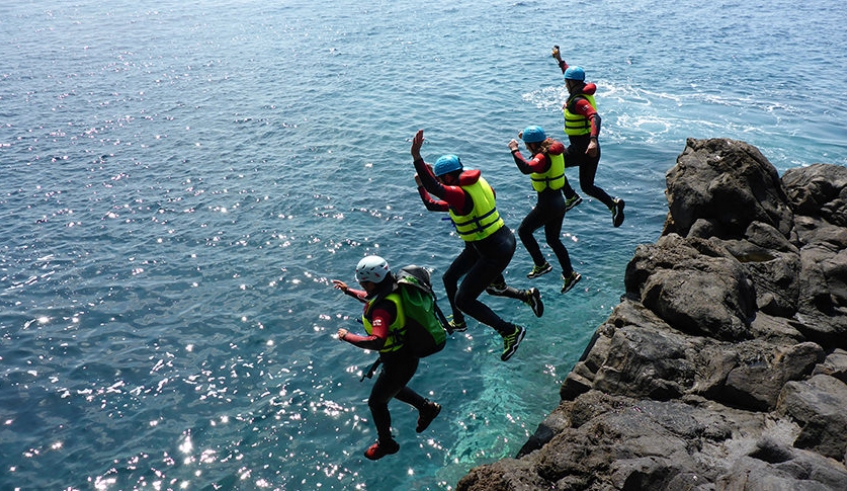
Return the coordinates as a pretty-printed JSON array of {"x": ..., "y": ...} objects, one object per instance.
[
  {"x": 417, "y": 143},
  {"x": 593, "y": 149},
  {"x": 341, "y": 333},
  {"x": 339, "y": 285},
  {"x": 513, "y": 145}
]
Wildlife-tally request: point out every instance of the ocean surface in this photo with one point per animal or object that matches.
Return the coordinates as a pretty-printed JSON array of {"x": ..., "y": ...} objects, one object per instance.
[{"x": 180, "y": 181}]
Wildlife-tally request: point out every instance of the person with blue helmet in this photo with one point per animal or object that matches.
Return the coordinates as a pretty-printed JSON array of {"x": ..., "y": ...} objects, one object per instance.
[
  {"x": 546, "y": 169},
  {"x": 489, "y": 244},
  {"x": 582, "y": 125}
]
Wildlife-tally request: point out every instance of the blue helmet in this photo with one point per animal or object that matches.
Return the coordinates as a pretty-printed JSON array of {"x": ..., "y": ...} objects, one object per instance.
[
  {"x": 533, "y": 134},
  {"x": 447, "y": 164},
  {"x": 575, "y": 73}
]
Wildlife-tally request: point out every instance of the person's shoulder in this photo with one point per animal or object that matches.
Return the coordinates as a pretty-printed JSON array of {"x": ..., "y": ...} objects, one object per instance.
[
  {"x": 557, "y": 148},
  {"x": 590, "y": 88},
  {"x": 469, "y": 177}
]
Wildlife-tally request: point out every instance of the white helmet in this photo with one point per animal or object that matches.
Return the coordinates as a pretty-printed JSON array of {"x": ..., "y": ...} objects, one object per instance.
[{"x": 373, "y": 269}]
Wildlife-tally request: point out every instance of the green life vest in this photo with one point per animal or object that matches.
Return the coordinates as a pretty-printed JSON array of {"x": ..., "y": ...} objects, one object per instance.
[
  {"x": 577, "y": 124},
  {"x": 397, "y": 329},
  {"x": 484, "y": 219},
  {"x": 553, "y": 178}
]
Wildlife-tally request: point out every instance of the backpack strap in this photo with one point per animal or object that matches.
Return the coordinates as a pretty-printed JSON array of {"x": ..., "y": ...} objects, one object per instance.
[{"x": 371, "y": 371}]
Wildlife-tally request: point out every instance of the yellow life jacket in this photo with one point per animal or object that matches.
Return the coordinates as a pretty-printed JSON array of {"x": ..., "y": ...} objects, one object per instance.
[
  {"x": 397, "y": 329},
  {"x": 484, "y": 219},
  {"x": 553, "y": 178},
  {"x": 577, "y": 124}
]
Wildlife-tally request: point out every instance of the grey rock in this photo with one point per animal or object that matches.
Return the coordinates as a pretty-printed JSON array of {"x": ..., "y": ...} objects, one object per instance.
[
  {"x": 818, "y": 405},
  {"x": 724, "y": 367},
  {"x": 694, "y": 285},
  {"x": 727, "y": 182}
]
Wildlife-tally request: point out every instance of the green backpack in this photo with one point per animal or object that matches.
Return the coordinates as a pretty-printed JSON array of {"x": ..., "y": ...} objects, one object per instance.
[{"x": 426, "y": 326}]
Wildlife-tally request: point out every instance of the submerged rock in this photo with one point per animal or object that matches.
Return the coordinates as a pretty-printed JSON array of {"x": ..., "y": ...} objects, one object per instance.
[{"x": 724, "y": 367}]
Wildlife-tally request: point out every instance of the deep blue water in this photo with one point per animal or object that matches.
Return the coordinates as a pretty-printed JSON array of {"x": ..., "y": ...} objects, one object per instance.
[{"x": 180, "y": 181}]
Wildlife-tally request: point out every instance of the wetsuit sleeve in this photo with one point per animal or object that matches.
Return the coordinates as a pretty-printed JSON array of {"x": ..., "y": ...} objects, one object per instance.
[
  {"x": 563, "y": 65},
  {"x": 583, "y": 107},
  {"x": 539, "y": 164},
  {"x": 381, "y": 317},
  {"x": 454, "y": 196},
  {"x": 431, "y": 204},
  {"x": 357, "y": 294}
]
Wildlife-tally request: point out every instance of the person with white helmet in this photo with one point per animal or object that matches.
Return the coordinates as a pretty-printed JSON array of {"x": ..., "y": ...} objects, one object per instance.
[
  {"x": 547, "y": 172},
  {"x": 582, "y": 125},
  {"x": 489, "y": 244},
  {"x": 384, "y": 322}
]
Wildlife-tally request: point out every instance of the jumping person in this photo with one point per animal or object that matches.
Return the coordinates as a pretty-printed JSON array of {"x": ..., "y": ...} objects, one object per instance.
[
  {"x": 384, "y": 319},
  {"x": 547, "y": 171},
  {"x": 489, "y": 243},
  {"x": 497, "y": 288},
  {"x": 582, "y": 125}
]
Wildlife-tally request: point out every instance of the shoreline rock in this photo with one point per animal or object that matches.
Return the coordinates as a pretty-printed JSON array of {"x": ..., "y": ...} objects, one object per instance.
[{"x": 724, "y": 367}]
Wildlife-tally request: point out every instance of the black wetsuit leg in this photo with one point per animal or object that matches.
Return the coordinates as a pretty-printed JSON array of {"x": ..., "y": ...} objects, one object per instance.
[
  {"x": 576, "y": 157},
  {"x": 499, "y": 288},
  {"x": 549, "y": 213},
  {"x": 535, "y": 219},
  {"x": 495, "y": 252},
  {"x": 458, "y": 268},
  {"x": 398, "y": 368}
]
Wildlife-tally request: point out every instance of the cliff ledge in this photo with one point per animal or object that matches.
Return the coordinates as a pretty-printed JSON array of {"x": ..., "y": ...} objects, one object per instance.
[{"x": 724, "y": 367}]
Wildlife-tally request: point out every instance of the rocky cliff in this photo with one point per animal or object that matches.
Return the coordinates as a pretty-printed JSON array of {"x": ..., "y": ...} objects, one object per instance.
[{"x": 724, "y": 367}]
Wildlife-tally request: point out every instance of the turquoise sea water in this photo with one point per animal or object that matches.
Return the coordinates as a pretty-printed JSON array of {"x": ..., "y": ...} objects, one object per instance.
[{"x": 180, "y": 181}]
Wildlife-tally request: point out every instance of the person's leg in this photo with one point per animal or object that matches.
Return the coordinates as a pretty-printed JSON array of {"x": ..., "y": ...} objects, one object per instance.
[
  {"x": 406, "y": 367},
  {"x": 554, "y": 207},
  {"x": 587, "y": 172},
  {"x": 570, "y": 194},
  {"x": 403, "y": 367},
  {"x": 497, "y": 251},
  {"x": 499, "y": 288},
  {"x": 532, "y": 222},
  {"x": 458, "y": 268},
  {"x": 397, "y": 371},
  {"x": 384, "y": 389}
]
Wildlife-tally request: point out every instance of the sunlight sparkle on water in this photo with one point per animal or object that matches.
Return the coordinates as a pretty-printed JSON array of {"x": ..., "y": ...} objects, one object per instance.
[{"x": 186, "y": 447}]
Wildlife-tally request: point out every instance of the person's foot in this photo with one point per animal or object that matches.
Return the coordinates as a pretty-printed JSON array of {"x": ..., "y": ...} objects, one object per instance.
[
  {"x": 534, "y": 301},
  {"x": 380, "y": 449},
  {"x": 456, "y": 326},
  {"x": 540, "y": 270},
  {"x": 617, "y": 212},
  {"x": 427, "y": 414},
  {"x": 570, "y": 281},
  {"x": 511, "y": 342},
  {"x": 571, "y": 202}
]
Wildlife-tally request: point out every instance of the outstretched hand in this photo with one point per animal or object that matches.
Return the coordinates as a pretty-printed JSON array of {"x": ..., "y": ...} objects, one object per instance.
[
  {"x": 339, "y": 285},
  {"x": 556, "y": 53},
  {"x": 417, "y": 143}
]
